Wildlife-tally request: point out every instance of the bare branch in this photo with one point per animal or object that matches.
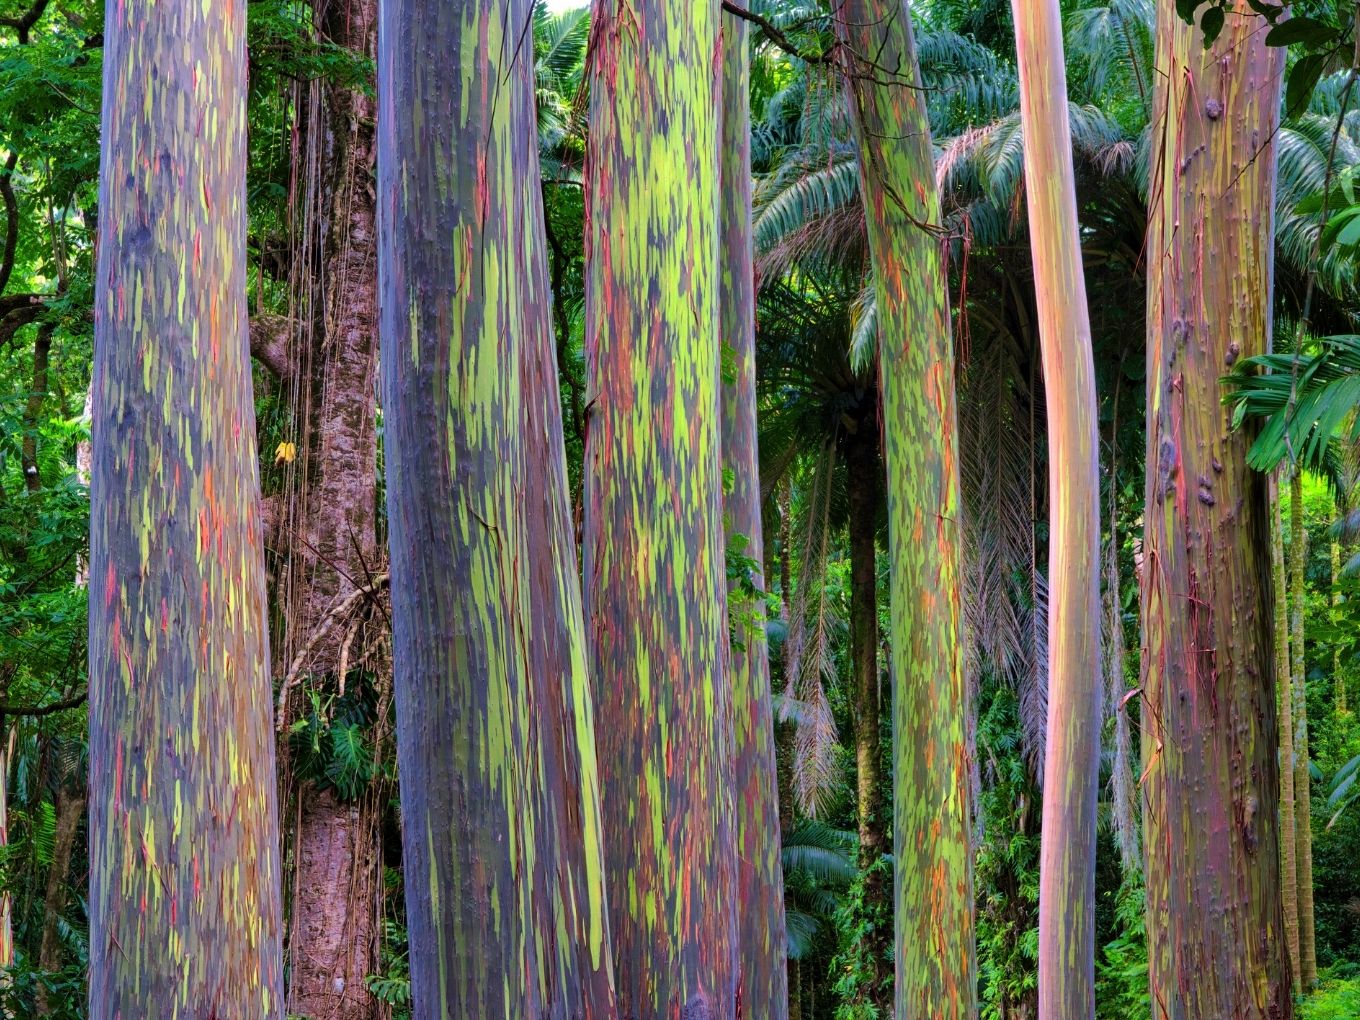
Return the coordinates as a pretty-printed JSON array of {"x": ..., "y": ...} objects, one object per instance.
[{"x": 269, "y": 336}]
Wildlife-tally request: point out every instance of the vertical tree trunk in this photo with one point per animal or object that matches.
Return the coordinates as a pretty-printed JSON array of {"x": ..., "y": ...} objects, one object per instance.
[
  {"x": 332, "y": 941},
  {"x": 70, "y": 809},
  {"x": 1067, "y": 860},
  {"x": 1338, "y": 680},
  {"x": 451, "y": 154},
  {"x": 762, "y": 988},
  {"x": 1303, "y": 780},
  {"x": 1289, "y": 890},
  {"x": 184, "y": 871},
  {"x": 1211, "y": 784},
  {"x": 655, "y": 582},
  {"x": 28, "y": 453},
  {"x": 936, "y": 974},
  {"x": 578, "y": 973}
]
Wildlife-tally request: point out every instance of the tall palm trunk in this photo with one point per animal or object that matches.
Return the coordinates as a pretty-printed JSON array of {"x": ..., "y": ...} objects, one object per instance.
[
  {"x": 1289, "y": 891},
  {"x": 332, "y": 939},
  {"x": 931, "y": 817},
  {"x": 1211, "y": 784},
  {"x": 1067, "y": 860},
  {"x": 454, "y": 327},
  {"x": 1303, "y": 780},
  {"x": 184, "y": 871},
  {"x": 762, "y": 988},
  {"x": 655, "y": 582}
]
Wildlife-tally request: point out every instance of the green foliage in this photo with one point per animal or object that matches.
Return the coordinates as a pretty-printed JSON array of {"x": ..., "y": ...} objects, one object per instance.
[
  {"x": 1122, "y": 988},
  {"x": 853, "y": 971},
  {"x": 332, "y": 744},
  {"x": 1336, "y": 998}
]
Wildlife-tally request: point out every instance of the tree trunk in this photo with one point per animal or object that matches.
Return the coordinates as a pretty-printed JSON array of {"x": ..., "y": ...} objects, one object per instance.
[
  {"x": 184, "y": 869},
  {"x": 932, "y": 814},
  {"x": 452, "y": 152},
  {"x": 1338, "y": 679},
  {"x": 655, "y": 583},
  {"x": 332, "y": 941},
  {"x": 1211, "y": 775},
  {"x": 1289, "y": 891},
  {"x": 28, "y": 454},
  {"x": 1303, "y": 780},
  {"x": 762, "y": 988},
  {"x": 1067, "y": 860},
  {"x": 70, "y": 810}
]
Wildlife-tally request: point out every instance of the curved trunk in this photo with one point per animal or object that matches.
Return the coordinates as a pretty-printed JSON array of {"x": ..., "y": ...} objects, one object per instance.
[
  {"x": 1289, "y": 890},
  {"x": 936, "y": 970},
  {"x": 184, "y": 871},
  {"x": 655, "y": 583},
  {"x": 1211, "y": 775},
  {"x": 1303, "y": 780},
  {"x": 763, "y": 982},
  {"x": 1067, "y": 860}
]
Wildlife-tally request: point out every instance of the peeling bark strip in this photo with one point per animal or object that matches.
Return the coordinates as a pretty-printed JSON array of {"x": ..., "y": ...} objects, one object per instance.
[
  {"x": 1067, "y": 859},
  {"x": 763, "y": 975},
  {"x": 450, "y": 159},
  {"x": 655, "y": 583},
  {"x": 936, "y": 972},
  {"x": 572, "y": 929},
  {"x": 1216, "y": 943},
  {"x": 184, "y": 871}
]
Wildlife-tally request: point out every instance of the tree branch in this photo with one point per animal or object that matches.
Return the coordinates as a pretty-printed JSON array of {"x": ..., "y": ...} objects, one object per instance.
[
  {"x": 11, "y": 204},
  {"x": 23, "y": 315},
  {"x": 25, "y": 23},
  {"x": 775, "y": 34},
  {"x": 269, "y": 336},
  {"x": 52, "y": 708}
]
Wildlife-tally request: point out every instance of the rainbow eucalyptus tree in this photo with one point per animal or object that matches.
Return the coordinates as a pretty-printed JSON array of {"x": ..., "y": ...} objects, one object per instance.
[
  {"x": 1067, "y": 859},
  {"x": 936, "y": 971},
  {"x": 572, "y": 923},
  {"x": 655, "y": 581},
  {"x": 763, "y": 974},
  {"x": 1211, "y": 786},
  {"x": 184, "y": 870},
  {"x": 460, "y": 308}
]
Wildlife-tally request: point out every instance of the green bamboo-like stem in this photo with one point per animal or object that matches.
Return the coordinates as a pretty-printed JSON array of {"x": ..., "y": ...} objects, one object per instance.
[
  {"x": 452, "y": 151},
  {"x": 1289, "y": 870},
  {"x": 655, "y": 582},
  {"x": 184, "y": 870},
  {"x": 935, "y": 959},
  {"x": 572, "y": 931},
  {"x": 1303, "y": 780},
  {"x": 762, "y": 975},
  {"x": 1211, "y": 774},
  {"x": 1067, "y": 859}
]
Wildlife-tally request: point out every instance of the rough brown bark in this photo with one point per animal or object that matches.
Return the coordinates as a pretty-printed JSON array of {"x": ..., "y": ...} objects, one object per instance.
[
  {"x": 1289, "y": 892},
  {"x": 70, "y": 810},
  {"x": 1303, "y": 801},
  {"x": 42, "y": 351}
]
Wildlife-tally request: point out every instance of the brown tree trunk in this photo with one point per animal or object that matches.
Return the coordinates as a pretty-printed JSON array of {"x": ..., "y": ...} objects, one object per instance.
[
  {"x": 335, "y": 909},
  {"x": 42, "y": 350},
  {"x": 70, "y": 810},
  {"x": 333, "y": 541},
  {"x": 1289, "y": 892},
  {"x": 1303, "y": 811}
]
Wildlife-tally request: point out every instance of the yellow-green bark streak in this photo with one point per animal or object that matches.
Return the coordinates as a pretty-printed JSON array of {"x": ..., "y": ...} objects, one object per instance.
[
  {"x": 184, "y": 871},
  {"x": 936, "y": 972},
  {"x": 1289, "y": 891},
  {"x": 1303, "y": 780},
  {"x": 763, "y": 975},
  {"x": 572, "y": 925},
  {"x": 655, "y": 583},
  {"x": 450, "y": 166},
  {"x": 1211, "y": 776},
  {"x": 1067, "y": 858}
]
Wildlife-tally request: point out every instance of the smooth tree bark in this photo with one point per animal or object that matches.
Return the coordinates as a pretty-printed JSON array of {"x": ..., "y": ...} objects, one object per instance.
[
  {"x": 332, "y": 539},
  {"x": 1067, "y": 856},
  {"x": 573, "y": 943},
  {"x": 1303, "y": 780},
  {"x": 1211, "y": 780},
  {"x": 184, "y": 869},
  {"x": 455, "y": 322},
  {"x": 935, "y": 958},
  {"x": 1289, "y": 870},
  {"x": 762, "y": 988},
  {"x": 655, "y": 580}
]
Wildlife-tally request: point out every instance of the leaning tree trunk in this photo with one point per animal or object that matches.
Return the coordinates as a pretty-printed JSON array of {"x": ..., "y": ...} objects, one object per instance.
[
  {"x": 1211, "y": 786},
  {"x": 577, "y": 978},
  {"x": 184, "y": 870},
  {"x": 1067, "y": 859},
  {"x": 936, "y": 971},
  {"x": 333, "y": 937},
  {"x": 456, "y": 320},
  {"x": 655, "y": 583},
  {"x": 1303, "y": 780},
  {"x": 1289, "y": 890},
  {"x": 762, "y": 988}
]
